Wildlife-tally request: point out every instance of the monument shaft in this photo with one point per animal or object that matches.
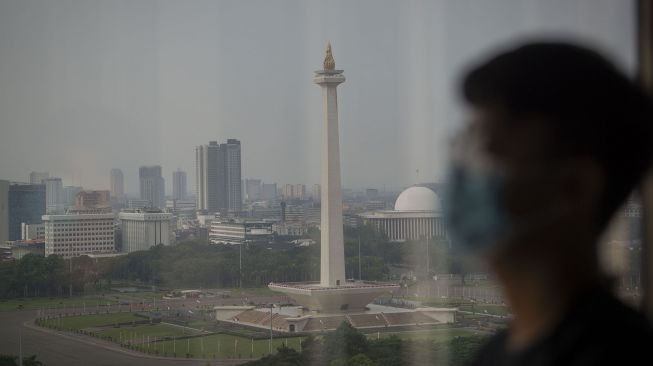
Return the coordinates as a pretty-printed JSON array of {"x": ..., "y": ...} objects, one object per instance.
[{"x": 332, "y": 253}]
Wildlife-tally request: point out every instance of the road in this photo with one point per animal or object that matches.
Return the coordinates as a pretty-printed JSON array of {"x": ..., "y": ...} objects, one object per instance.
[{"x": 65, "y": 349}]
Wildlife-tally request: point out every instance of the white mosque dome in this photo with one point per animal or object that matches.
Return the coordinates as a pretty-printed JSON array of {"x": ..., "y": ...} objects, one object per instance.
[{"x": 417, "y": 199}]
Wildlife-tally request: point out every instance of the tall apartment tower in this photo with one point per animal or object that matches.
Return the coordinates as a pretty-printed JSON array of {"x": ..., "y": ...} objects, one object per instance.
[
  {"x": 218, "y": 176},
  {"x": 234, "y": 174},
  {"x": 38, "y": 177},
  {"x": 54, "y": 198},
  {"x": 209, "y": 177},
  {"x": 179, "y": 185},
  {"x": 117, "y": 183},
  {"x": 152, "y": 185}
]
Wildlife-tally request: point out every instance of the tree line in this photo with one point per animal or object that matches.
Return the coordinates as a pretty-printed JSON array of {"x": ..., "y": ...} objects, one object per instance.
[{"x": 196, "y": 264}]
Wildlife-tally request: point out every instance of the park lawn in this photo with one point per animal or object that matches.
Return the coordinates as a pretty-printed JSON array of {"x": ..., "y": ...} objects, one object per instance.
[
  {"x": 128, "y": 332},
  {"x": 219, "y": 346},
  {"x": 90, "y": 321},
  {"x": 435, "y": 335},
  {"x": 487, "y": 309}
]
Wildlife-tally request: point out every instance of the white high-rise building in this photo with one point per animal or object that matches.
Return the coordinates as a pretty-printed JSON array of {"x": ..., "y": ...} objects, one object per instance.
[
  {"x": 152, "y": 185},
  {"x": 179, "y": 185},
  {"x": 78, "y": 234},
  {"x": 38, "y": 177},
  {"x": 54, "y": 198},
  {"x": 145, "y": 228},
  {"x": 117, "y": 183}
]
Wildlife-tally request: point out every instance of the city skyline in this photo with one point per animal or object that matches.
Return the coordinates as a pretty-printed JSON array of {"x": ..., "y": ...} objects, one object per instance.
[{"x": 167, "y": 77}]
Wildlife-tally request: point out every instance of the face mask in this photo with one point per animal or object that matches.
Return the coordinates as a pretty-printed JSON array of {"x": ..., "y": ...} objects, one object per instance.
[
  {"x": 475, "y": 218},
  {"x": 474, "y": 203}
]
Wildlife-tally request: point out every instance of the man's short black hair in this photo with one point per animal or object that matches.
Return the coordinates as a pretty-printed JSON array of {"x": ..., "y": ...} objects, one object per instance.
[{"x": 594, "y": 109}]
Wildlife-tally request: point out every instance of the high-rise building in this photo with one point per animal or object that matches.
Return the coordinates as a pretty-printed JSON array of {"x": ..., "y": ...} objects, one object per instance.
[
  {"x": 77, "y": 234},
  {"x": 253, "y": 189},
  {"x": 54, "y": 196},
  {"x": 92, "y": 202},
  {"x": 288, "y": 191},
  {"x": 38, "y": 177},
  {"x": 69, "y": 194},
  {"x": 209, "y": 177},
  {"x": 218, "y": 176},
  {"x": 234, "y": 174},
  {"x": 152, "y": 185},
  {"x": 300, "y": 191},
  {"x": 4, "y": 211},
  {"x": 117, "y": 183},
  {"x": 144, "y": 228},
  {"x": 317, "y": 192},
  {"x": 19, "y": 203},
  {"x": 179, "y": 185}
]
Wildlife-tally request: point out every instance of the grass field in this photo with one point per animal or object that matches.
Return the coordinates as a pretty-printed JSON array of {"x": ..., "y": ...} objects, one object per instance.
[
  {"x": 90, "y": 321},
  {"x": 219, "y": 346},
  {"x": 139, "y": 331},
  {"x": 436, "y": 335}
]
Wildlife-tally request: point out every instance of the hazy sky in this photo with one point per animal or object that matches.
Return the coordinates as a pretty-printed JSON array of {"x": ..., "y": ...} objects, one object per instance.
[{"x": 86, "y": 86}]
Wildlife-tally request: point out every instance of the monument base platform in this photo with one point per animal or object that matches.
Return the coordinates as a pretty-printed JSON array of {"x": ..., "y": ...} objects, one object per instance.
[{"x": 352, "y": 296}]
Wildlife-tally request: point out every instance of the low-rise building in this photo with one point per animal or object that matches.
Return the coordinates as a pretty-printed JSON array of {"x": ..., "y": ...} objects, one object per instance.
[
  {"x": 145, "y": 228},
  {"x": 77, "y": 234},
  {"x": 238, "y": 232}
]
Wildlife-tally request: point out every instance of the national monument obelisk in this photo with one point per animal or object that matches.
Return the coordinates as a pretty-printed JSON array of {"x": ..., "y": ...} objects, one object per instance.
[
  {"x": 333, "y": 293},
  {"x": 332, "y": 252}
]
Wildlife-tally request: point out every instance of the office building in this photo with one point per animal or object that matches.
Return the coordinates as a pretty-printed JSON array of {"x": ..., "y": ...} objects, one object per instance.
[
  {"x": 218, "y": 176},
  {"x": 38, "y": 177},
  {"x": 144, "y": 228},
  {"x": 117, "y": 183},
  {"x": 32, "y": 231},
  {"x": 54, "y": 196},
  {"x": 152, "y": 185},
  {"x": 78, "y": 234},
  {"x": 92, "y": 202},
  {"x": 138, "y": 203},
  {"x": 239, "y": 232},
  {"x": 69, "y": 194},
  {"x": 19, "y": 203},
  {"x": 179, "y": 185},
  {"x": 234, "y": 176}
]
